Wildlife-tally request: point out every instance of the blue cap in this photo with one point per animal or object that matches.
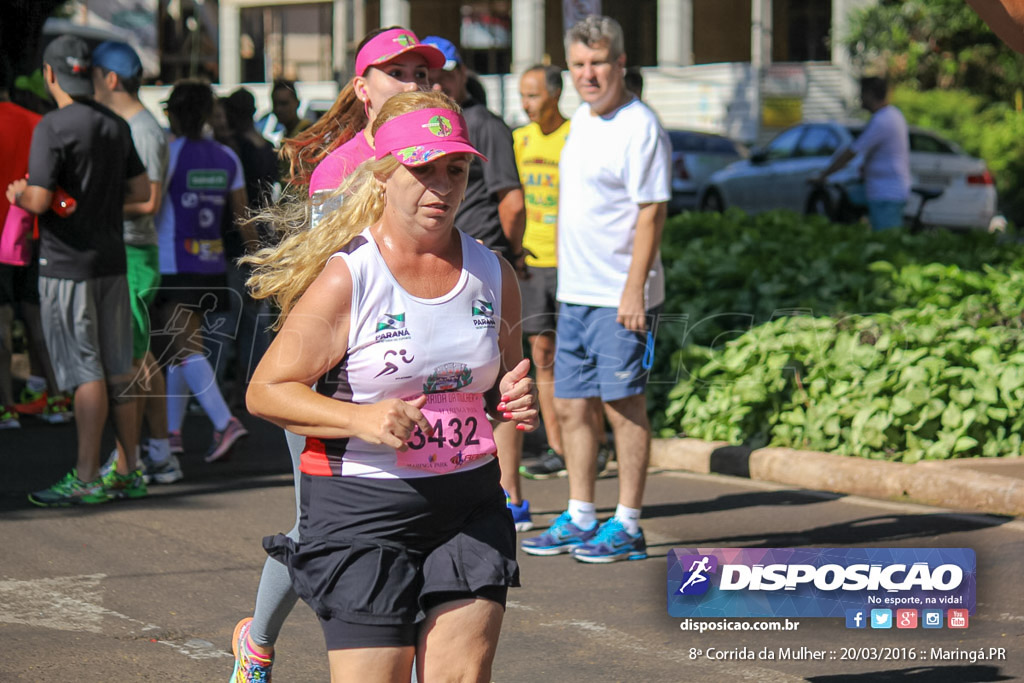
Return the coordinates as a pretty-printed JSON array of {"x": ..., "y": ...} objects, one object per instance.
[
  {"x": 117, "y": 57},
  {"x": 451, "y": 53}
]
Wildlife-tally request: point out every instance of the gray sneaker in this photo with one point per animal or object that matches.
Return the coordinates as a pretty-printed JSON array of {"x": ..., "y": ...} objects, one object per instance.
[
  {"x": 166, "y": 472},
  {"x": 549, "y": 466},
  {"x": 605, "y": 454}
]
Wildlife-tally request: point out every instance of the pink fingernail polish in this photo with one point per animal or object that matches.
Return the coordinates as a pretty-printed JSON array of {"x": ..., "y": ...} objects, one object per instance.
[
  {"x": 501, "y": 406},
  {"x": 507, "y": 416},
  {"x": 521, "y": 427}
]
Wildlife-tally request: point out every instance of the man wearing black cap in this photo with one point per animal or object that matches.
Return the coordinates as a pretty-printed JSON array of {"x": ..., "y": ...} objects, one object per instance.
[
  {"x": 117, "y": 76},
  {"x": 87, "y": 150}
]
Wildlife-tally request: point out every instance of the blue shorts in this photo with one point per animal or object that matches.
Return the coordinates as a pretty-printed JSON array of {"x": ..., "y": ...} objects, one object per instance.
[
  {"x": 882, "y": 214},
  {"x": 596, "y": 356}
]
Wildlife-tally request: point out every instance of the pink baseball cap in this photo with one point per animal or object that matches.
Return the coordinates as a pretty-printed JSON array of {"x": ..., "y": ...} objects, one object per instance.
[
  {"x": 423, "y": 135},
  {"x": 387, "y": 45}
]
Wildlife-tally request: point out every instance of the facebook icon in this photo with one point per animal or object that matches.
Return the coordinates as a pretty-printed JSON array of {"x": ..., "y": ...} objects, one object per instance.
[{"x": 855, "y": 618}]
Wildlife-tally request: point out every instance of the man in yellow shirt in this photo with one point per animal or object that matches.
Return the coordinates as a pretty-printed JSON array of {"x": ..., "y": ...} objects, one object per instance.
[{"x": 538, "y": 148}]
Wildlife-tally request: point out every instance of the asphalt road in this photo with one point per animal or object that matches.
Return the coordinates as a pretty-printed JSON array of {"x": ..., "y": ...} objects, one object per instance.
[{"x": 150, "y": 590}]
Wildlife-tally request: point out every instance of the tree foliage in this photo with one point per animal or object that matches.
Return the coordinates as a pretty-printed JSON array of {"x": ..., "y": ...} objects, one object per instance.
[{"x": 929, "y": 44}]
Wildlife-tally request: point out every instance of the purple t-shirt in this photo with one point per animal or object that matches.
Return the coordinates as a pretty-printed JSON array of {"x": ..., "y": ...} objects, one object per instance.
[
  {"x": 329, "y": 173},
  {"x": 201, "y": 177}
]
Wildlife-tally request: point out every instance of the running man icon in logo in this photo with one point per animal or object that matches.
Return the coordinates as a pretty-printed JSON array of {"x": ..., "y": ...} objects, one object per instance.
[{"x": 696, "y": 580}]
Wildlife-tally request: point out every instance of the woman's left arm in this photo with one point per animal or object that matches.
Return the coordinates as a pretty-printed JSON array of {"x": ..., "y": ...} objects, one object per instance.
[{"x": 518, "y": 396}]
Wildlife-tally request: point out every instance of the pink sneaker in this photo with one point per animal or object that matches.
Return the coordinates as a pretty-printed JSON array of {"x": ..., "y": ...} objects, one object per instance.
[
  {"x": 225, "y": 439},
  {"x": 249, "y": 666}
]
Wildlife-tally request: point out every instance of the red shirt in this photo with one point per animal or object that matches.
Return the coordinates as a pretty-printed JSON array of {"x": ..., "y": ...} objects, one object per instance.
[{"x": 16, "y": 126}]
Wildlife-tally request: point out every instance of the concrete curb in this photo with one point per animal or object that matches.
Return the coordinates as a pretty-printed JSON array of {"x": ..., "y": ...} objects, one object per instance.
[{"x": 933, "y": 483}]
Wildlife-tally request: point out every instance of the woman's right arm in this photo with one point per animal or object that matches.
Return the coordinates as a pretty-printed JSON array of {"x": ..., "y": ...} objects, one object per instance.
[{"x": 314, "y": 339}]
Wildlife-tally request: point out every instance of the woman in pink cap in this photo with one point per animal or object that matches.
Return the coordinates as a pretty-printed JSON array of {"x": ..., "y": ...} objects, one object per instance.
[
  {"x": 389, "y": 61},
  {"x": 403, "y": 322}
]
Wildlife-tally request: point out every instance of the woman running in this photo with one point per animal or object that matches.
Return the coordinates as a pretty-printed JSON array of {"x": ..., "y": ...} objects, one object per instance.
[
  {"x": 406, "y": 548},
  {"x": 388, "y": 62}
]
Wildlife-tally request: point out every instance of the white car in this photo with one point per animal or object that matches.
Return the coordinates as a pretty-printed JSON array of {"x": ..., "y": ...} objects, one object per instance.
[{"x": 775, "y": 176}]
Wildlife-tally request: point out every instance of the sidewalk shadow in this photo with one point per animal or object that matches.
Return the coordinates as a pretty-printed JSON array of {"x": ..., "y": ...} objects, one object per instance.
[
  {"x": 974, "y": 673},
  {"x": 733, "y": 501},
  {"x": 866, "y": 530}
]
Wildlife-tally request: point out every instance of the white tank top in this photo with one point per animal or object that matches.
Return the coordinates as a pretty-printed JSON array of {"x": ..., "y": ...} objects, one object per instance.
[{"x": 402, "y": 346}]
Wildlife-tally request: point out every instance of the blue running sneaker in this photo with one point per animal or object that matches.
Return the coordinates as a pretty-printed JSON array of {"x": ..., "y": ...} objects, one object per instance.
[
  {"x": 611, "y": 544},
  {"x": 561, "y": 537},
  {"x": 520, "y": 513}
]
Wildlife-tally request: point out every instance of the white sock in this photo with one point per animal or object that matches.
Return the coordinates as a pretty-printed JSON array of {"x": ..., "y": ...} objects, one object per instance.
[
  {"x": 177, "y": 397},
  {"x": 203, "y": 383},
  {"x": 630, "y": 518},
  {"x": 35, "y": 383},
  {"x": 583, "y": 514},
  {"x": 159, "y": 450}
]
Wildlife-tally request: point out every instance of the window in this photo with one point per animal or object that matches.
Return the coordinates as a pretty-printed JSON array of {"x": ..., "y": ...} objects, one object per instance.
[
  {"x": 784, "y": 144},
  {"x": 818, "y": 142},
  {"x": 919, "y": 142}
]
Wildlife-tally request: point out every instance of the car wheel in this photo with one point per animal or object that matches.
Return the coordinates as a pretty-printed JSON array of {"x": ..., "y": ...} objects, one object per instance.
[
  {"x": 712, "y": 201},
  {"x": 818, "y": 204}
]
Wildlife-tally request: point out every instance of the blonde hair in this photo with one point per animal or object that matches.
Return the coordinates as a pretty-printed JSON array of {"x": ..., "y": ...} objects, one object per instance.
[{"x": 285, "y": 271}]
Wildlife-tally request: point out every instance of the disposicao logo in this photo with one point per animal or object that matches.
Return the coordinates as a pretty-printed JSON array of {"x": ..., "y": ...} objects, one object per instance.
[
  {"x": 818, "y": 582},
  {"x": 696, "y": 580}
]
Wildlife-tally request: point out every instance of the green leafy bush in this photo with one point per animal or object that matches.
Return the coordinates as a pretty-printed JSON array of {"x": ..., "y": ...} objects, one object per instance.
[{"x": 883, "y": 345}]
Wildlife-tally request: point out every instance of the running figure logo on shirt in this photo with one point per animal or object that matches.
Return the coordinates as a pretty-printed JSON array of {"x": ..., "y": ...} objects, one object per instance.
[
  {"x": 441, "y": 126},
  {"x": 389, "y": 367},
  {"x": 448, "y": 377}
]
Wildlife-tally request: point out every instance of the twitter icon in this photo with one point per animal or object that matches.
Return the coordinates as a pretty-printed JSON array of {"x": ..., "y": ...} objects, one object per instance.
[{"x": 881, "y": 618}]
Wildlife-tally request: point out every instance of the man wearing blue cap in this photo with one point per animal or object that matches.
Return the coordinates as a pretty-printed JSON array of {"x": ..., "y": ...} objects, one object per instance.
[
  {"x": 117, "y": 76},
  {"x": 494, "y": 212}
]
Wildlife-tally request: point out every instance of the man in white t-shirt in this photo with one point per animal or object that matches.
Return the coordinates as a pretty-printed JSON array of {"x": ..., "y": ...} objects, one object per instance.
[
  {"x": 885, "y": 147},
  {"x": 615, "y": 182}
]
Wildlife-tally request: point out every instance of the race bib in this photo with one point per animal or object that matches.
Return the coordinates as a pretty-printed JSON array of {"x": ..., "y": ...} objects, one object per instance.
[{"x": 462, "y": 433}]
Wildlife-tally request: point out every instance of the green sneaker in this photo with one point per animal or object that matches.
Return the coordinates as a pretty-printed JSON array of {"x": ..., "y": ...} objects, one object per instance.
[
  {"x": 131, "y": 485},
  {"x": 70, "y": 491}
]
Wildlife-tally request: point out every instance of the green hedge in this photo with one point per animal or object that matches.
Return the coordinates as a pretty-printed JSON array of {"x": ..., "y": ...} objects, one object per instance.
[{"x": 811, "y": 335}]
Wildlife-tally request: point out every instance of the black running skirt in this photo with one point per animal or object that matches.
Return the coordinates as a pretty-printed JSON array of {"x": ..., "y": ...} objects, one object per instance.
[{"x": 373, "y": 551}]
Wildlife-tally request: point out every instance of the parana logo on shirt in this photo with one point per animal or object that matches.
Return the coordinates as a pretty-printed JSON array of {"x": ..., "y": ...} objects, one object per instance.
[
  {"x": 483, "y": 313},
  {"x": 207, "y": 179},
  {"x": 391, "y": 326}
]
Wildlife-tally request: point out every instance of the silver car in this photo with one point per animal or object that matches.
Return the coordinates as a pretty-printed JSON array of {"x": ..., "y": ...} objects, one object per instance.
[
  {"x": 695, "y": 156},
  {"x": 776, "y": 176}
]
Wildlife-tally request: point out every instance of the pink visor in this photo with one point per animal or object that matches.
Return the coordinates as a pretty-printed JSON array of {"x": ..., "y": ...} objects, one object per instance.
[
  {"x": 421, "y": 136},
  {"x": 388, "y": 45}
]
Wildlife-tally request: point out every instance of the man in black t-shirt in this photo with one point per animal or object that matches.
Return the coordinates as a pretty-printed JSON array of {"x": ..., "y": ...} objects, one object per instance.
[
  {"x": 85, "y": 150},
  {"x": 494, "y": 212}
]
